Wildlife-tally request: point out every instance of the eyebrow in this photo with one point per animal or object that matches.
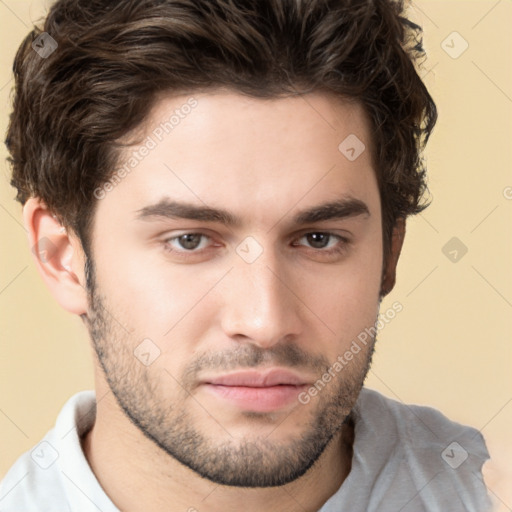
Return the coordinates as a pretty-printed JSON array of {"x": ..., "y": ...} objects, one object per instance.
[{"x": 169, "y": 209}]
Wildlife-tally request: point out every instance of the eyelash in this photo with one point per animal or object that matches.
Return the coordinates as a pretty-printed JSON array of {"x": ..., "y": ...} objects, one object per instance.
[{"x": 190, "y": 253}]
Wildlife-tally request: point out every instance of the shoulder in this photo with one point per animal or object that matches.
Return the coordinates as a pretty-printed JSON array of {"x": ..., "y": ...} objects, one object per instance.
[
  {"x": 419, "y": 424},
  {"x": 37, "y": 480},
  {"x": 440, "y": 456}
]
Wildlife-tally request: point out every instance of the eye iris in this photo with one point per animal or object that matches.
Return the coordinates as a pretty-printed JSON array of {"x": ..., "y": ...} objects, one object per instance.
[
  {"x": 190, "y": 240},
  {"x": 318, "y": 240}
]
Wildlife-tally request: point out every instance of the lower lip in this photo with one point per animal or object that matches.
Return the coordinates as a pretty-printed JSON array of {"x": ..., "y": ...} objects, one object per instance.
[{"x": 257, "y": 399}]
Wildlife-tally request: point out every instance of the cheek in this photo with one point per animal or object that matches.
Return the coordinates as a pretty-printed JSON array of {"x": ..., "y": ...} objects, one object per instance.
[
  {"x": 346, "y": 298},
  {"x": 128, "y": 288},
  {"x": 156, "y": 300},
  {"x": 348, "y": 306}
]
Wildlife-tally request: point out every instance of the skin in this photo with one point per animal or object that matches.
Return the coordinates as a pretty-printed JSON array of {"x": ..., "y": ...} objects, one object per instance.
[{"x": 211, "y": 313}]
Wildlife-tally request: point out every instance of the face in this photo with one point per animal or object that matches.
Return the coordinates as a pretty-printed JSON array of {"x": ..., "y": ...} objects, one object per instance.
[{"x": 223, "y": 287}]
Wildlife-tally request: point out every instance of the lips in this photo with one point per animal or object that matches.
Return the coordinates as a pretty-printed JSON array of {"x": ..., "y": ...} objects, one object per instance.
[
  {"x": 257, "y": 391},
  {"x": 261, "y": 379}
]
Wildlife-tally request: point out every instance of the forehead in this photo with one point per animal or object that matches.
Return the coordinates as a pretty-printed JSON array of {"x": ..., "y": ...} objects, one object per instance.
[{"x": 255, "y": 157}]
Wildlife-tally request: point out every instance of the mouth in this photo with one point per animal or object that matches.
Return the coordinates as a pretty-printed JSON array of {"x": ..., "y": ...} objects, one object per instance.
[{"x": 257, "y": 391}]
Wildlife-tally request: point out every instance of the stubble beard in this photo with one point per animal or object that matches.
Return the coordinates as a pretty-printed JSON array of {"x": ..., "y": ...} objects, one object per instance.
[{"x": 231, "y": 461}]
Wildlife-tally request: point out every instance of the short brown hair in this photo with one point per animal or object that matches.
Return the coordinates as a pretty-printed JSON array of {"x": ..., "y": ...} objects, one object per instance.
[{"x": 115, "y": 56}]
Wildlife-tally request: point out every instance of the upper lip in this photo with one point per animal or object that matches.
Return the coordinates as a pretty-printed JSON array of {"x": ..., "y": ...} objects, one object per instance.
[{"x": 258, "y": 379}]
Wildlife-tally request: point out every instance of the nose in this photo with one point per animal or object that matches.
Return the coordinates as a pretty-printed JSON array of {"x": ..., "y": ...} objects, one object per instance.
[{"x": 261, "y": 306}]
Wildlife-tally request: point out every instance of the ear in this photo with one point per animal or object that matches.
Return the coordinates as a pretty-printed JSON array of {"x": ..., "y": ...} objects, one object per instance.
[
  {"x": 58, "y": 255},
  {"x": 389, "y": 270}
]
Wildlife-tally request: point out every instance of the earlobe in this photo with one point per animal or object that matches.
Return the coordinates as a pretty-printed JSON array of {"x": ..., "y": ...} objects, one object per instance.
[
  {"x": 58, "y": 256},
  {"x": 389, "y": 270}
]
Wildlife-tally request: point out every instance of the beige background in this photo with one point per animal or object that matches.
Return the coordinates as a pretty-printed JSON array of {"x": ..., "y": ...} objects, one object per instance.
[{"x": 450, "y": 347}]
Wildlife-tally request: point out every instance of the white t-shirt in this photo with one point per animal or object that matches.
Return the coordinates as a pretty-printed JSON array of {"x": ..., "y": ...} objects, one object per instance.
[{"x": 406, "y": 458}]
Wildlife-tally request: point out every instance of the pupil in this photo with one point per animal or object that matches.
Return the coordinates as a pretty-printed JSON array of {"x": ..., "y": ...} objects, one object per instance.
[
  {"x": 318, "y": 240},
  {"x": 190, "y": 241}
]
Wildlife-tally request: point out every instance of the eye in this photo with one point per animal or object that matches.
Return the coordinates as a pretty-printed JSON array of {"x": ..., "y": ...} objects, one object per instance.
[
  {"x": 325, "y": 242},
  {"x": 187, "y": 242},
  {"x": 194, "y": 244}
]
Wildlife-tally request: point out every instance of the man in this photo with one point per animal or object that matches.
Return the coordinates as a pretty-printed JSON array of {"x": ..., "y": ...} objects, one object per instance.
[{"x": 219, "y": 189}]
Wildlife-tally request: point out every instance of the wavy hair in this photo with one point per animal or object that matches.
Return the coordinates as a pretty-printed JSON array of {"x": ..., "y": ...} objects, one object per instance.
[{"x": 115, "y": 57}]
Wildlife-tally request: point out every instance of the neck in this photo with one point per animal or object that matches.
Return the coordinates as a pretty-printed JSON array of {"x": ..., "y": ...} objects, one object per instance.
[{"x": 137, "y": 475}]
